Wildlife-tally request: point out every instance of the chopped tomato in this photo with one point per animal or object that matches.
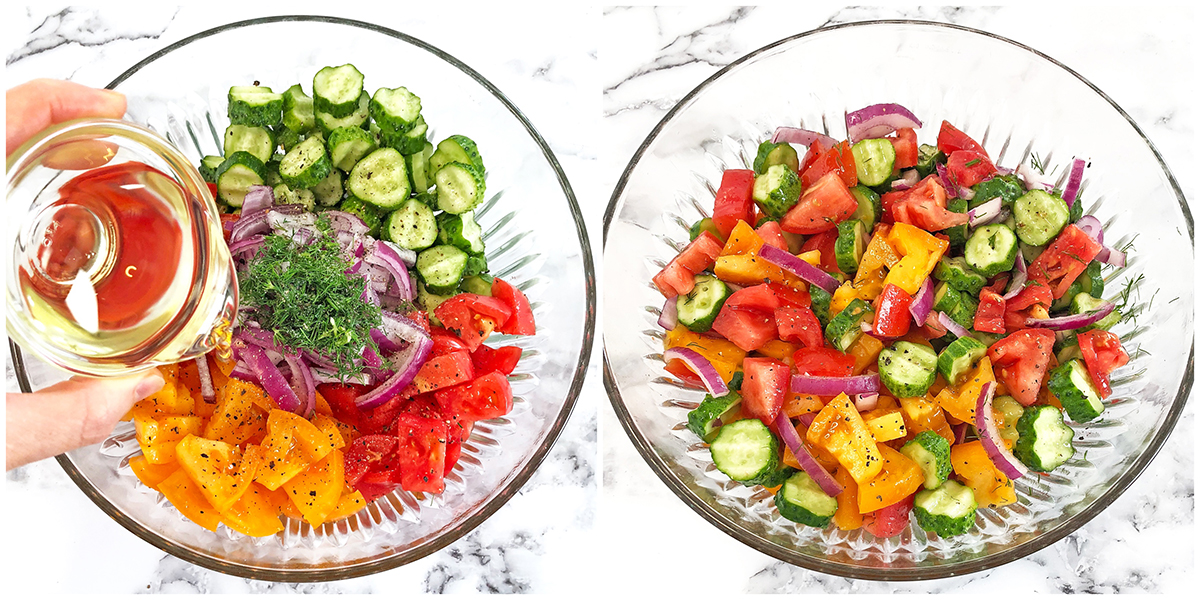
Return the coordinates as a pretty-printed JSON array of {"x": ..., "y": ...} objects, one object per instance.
[
  {"x": 799, "y": 324},
  {"x": 824, "y": 243},
  {"x": 756, "y": 297},
  {"x": 1103, "y": 354},
  {"x": 503, "y": 359},
  {"x": 892, "y": 318},
  {"x": 772, "y": 234},
  {"x": 444, "y": 371},
  {"x": 969, "y": 167},
  {"x": 227, "y": 222},
  {"x": 838, "y": 159},
  {"x": 379, "y": 418},
  {"x": 822, "y": 206},
  {"x": 1020, "y": 362},
  {"x": 989, "y": 316},
  {"x": 471, "y": 316},
  {"x": 790, "y": 296},
  {"x": 445, "y": 342},
  {"x": 680, "y": 369},
  {"x": 924, "y": 206},
  {"x": 1018, "y": 309},
  {"x": 1066, "y": 257},
  {"x": 421, "y": 453},
  {"x": 905, "y": 144},
  {"x": 823, "y": 362},
  {"x": 764, "y": 388},
  {"x": 951, "y": 140},
  {"x": 521, "y": 321},
  {"x": 734, "y": 201},
  {"x": 487, "y": 397},
  {"x": 677, "y": 277},
  {"x": 815, "y": 150},
  {"x": 889, "y": 520},
  {"x": 366, "y": 454},
  {"x": 747, "y": 328}
]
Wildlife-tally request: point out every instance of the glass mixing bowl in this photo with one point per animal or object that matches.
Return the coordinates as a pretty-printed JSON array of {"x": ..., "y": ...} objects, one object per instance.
[
  {"x": 536, "y": 240},
  {"x": 1027, "y": 103}
]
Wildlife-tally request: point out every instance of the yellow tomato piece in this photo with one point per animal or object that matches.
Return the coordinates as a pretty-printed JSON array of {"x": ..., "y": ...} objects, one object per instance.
[
  {"x": 779, "y": 350},
  {"x": 750, "y": 269},
  {"x": 254, "y": 514},
  {"x": 159, "y": 435},
  {"x": 329, "y": 426},
  {"x": 865, "y": 351},
  {"x": 924, "y": 414},
  {"x": 839, "y": 428},
  {"x": 972, "y": 464},
  {"x": 220, "y": 469},
  {"x": 885, "y": 425},
  {"x": 350, "y": 503},
  {"x": 847, "y": 517},
  {"x": 150, "y": 473},
  {"x": 900, "y": 477},
  {"x": 742, "y": 240},
  {"x": 724, "y": 355},
  {"x": 920, "y": 252},
  {"x": 185, "y": 496},
  {"x": 292, "y": 444},
  {"x": 959, "y": 401},
  {"x": 238, "y": 417},
  {"x": 812, "y": 257}
]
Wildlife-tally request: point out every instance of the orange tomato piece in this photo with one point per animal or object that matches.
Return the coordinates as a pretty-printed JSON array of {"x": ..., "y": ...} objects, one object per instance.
[
  {"x": 238, "y": 418},
  {"x": 847, "y": 517},
  {"x": 795, "y": 404},
  {"x": 317, "y": 490},
  {"x": 220, "y": 469},
  {"x": 350, "y": 503},
  {"x": 254, "y": 514},
  {"x": 899, "y": 477},
  {"x": 184, "y": 494},
  {"x": 292, "y": 444},
  {"x": 865, "y": 351},
  {"x": 973, "y": 466},
  {"x": 742, "y": 240},
  {"x": 959, "y": 401},
  {"x": 924, "y": 414},
  {"x": 840, "y": 429},
  {"x": 159, "y": 435},
  {"x": 329, "y": 426},
  {"x": 150, "y": 473}
]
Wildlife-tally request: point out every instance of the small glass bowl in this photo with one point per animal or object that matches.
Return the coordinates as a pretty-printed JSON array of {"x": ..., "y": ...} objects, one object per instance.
[
  {"x": 187, "y": 321},
  {"x": 1028, "y": 103}
]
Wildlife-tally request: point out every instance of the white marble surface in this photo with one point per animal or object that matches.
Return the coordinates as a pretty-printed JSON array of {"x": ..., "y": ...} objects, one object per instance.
[
  {"x": 1143, "y": 58},
  {"x": 539, "y": 541}
]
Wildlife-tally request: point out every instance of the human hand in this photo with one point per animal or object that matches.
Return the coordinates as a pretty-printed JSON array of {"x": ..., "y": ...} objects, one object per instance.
[
  {"x": 70, "y": 414},
  {"x": 38, "y": 104}
]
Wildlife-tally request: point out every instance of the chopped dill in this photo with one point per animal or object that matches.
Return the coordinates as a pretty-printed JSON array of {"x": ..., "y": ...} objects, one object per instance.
[
  {"x": 303, "y": 294},
  {"x": 1037, "y": 163}
]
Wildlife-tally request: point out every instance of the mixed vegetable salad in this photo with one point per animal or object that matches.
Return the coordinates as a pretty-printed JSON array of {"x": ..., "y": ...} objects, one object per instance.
[
  {"x": 349, "y": 375},
  {"x": 887, "y": 328}
]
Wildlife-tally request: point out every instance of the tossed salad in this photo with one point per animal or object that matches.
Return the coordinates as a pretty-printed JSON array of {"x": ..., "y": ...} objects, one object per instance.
[
  {"x": 887, "y": 328},
  {"x": 358, "y": 361}
]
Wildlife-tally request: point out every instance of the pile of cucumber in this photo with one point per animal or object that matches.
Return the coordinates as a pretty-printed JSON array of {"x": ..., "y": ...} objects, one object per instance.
[{"x": 344, "y": 149}]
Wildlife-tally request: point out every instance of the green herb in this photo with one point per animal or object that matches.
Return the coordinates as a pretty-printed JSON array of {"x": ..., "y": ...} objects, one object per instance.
[
  {"x": 1037, "y": 163},
  {"x": 303, "y": 294},
  {"x": 973, "y": 162}
]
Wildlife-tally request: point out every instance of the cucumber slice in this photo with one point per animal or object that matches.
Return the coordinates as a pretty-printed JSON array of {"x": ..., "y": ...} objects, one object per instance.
[
  {"x": 395, "y": 109},
  {"x": 958, "y": 233},
  {"x": 705, "y": 224},
  {"x": 430, "y": 301},
  {"x": 418, "y": 168},
  {"x": 847, "y": 325},
  {"x": 746, "y": 451},
  {"x": 870, "y": 206},
  {"x": 476, "y": 265},
  {"x": 305, "y": 165},
  {"x": 236, "y": 174},
  {"x": 964, "y": 313},
  {"x": 945, "y": 298},
  {"x": 874, "y": 160},
  {"x": 461, "y": 231},
  {"x": 254, "y": 106},
  {"x": 286, "y": 195},
  {"x": 286, "y": 138},
  {"x": 931, "y": 452},
  {"x": 456, "y": 148},
  {"x": 442, "y": 268},
  {"x": 928, "y": 158},
  {"x": 255, "y": 140},
  {"x": 777, "y": 190},
  {"x": 372, "y": 217},
  {"x": 460, "y": 187},
  {"x": 1085, "y": 303},
  {"x": 208, "y": 167},
  {"x": 850, "y": 246},
  {"x": 1039, "y": 217},
  {"x": 1044, "y": 441},
  {"x": 298, "y": 114},
  {"x": 407, "y": 142},
  {"x": 770, "y": 153},
  {"x": 1092, "y": 281},
  {"x": 327, "y": 123},
  {"x": 480, "y": 285},
  {"x": 821, "y": 300},
  {"x": 705, "y": 419},
  {"x": 412, "y": 226},
  {"x": 329, "y": 191},
  {"x": 380, "y": 178},
  {"x": 803, "y": 501},
  {"x": 347, "y": 146},
  {"x": 336, "y": 90},
  {"x": 1073, "y": 386},
  {"x": 699, "y": 308},
  {"x": 272, "y": 177},
  {"x": 955, "y": 272},
  {"x": 991, "y": 249},
  {"x": 948, "y": 510},
  {"x": 958, "y": 357},
  {"x": 907, "y": 369}
]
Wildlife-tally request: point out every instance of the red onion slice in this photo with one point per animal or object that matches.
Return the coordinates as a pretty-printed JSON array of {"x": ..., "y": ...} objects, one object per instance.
[
  {"x": 952, "y": 326},
  {"x": 321, "y": 375},
  {"x": 249, "y": 245},
  {"x": 960, "y": 432},
  {"x": 832, "y": 386},
  {"x": 791, "y": 263},
  {"x": 803, "y": 137},
  {"x": 865, "y": 402},
  {"x": 258, "y": 198},
  {"x": 879, "y": 120},
  {"x": 1018, "y": 281},
  {"x": 1074, "y": 181},
  {"x": 248, "y": 225},
  {"x": 207, "y": 391},
  {"x": 791, "y": 438},
  {"x": 669, "y": 317},
  {"x": 1111, "y": 256},
  {"x": 989, "y": 434},
  {"x": 701, "y": 367},
  {"x": 985, "y": 213},
  {"x": 407, "y": 362},
  {"x": 909, "y": 178},
  {"x": 1032, "y": 178},
  {"x": 268, "y": 376},
  {"x": 1068, "y": 322},
  {"x": 384, "y": 256},
  {"x": 303, "y": 383},
  {"x": 947, "y": 182},
  {"x": 923, "y": 302},
  {"x": 1092, "y": 227}
]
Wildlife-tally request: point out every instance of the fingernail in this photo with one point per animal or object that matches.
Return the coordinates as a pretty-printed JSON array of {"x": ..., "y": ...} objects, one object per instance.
[{"x": 148, "y": 385}]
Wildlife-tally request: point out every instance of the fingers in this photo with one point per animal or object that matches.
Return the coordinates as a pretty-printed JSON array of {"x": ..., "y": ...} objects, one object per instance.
[
  {"x": 71, "y": 414},
  {"x": 38, "y": 104}
]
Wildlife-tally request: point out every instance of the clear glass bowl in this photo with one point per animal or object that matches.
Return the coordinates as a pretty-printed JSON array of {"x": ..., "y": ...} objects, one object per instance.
[
  {"x": 535, "y": 237},
  {"x": 1028, "y": 103}
]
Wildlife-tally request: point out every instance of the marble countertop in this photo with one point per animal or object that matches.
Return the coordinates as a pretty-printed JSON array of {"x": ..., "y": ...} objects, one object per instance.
[{"x": 594, "y": 81}]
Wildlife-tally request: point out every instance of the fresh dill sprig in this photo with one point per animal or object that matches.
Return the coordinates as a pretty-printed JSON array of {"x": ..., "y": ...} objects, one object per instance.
[
  {"x": 1036, "y": 162},
  {"x": 302, "y": 293},
  {"x": 1125, "y": 302}
]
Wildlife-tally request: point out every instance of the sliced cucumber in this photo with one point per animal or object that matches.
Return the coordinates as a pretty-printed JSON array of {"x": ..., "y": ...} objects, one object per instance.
[
  {"x": 480, "y": 285},
  {"x": 347, "y": 146},
  {"x": 327, "y": 122},
  {"x": 460, "y": 187},
  {"x": 236, "y": 174},
  {"x": 418, "y": 168},
  {"x": 928, "y": 158},
  {"x": 455, "y": 149},
  {"x": 991, "y": 249},
  {"x": 907, "y": 369},
  {"x": 931, "y": 452},
  {"x": 1084, "y": 303},
  {"x": 407, "y": 142},
  {"x": 254, "y": 106},
  {"x": 945, "y": 298},
  {"x": 699, "y": 227},
  {"x": 298, "y": 115},
  {"x": 958, "y": 233},
  {"x": 1073, "y": 386},
  {"x": 821, "y": 300},
  {"x": 845, "y": 328},
  {"x": 461, "y": 231},
  {"x": 442, "y": 268},
  {"x": 948, "y": 510},
  {"x": 771, "y": 153},
  {"x": 851, "y": 244},
  {"x": 329, "y": 191},
  {"x": 371, "y": 217},
  {"x": 255, "y": 140},
  {"x": 380, "y": 178},
  {"x": 705, "y": 419},
  {"x": 336, "y": 90},
  {"x": 699, "y": 308},
  {"x": 964, "y": 312},
  {"x": 777, "y": 190},
  {"x": 395, "y": 109},
  {"x": 1039, "y": 217},
  {"x": 960, "y": 356},
  {"x": 431, "y": 301},
  {"x": 286, "y": 195},
  {"x": 412, "y": 226},
  {"x": 870, "y": 206},
  {"x": 305, "y": 165},
  {"x": 209, "y": 166},
  {"x": 955, "y": 272},
  {"x": 1044, "y": 441},
  {"x": 803, "y": 501},
  {"x": 746, "y": 451},
  {"x": 874, "y": 160}
]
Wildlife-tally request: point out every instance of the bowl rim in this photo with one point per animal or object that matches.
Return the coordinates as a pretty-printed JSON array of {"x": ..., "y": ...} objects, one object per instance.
[
  {"x": 508, "y": 491},
  {"x": 732, "y": 528}
]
